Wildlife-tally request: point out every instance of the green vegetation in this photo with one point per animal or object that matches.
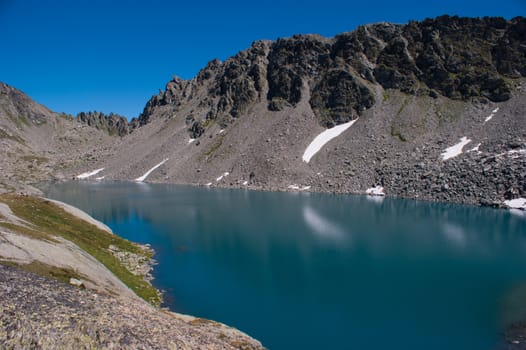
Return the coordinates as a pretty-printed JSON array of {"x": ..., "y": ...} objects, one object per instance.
[
  {"x": 19, "y": 121},
  {"x": 216, "y": 143},
  {"x": 5, "y": 135},
  {"x": 403, "y": 106},
  {"x": 51, "y": 220},
  {"x": 37, "y": 159},
  {"x": 27, "y": 231},
  {"x": 396, "y": 133},
  {"x": 58, "y": 273}
]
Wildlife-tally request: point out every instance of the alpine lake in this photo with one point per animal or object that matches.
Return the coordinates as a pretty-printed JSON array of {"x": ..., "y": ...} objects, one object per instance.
[{"x": 321, "y": 271}]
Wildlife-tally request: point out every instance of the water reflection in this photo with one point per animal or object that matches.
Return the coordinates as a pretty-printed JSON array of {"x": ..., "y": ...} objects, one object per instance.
[
  {"x": 323, "y": 227},
  {"x": 281, "y": 267},
  {"x": 454, "y": 234}
]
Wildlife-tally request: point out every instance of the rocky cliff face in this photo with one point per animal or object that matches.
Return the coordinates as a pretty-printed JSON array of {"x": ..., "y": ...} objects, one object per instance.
[
  {"x": 459, "y": 58},
  {"x": 416, "y": 89},
  {"x": 113, "y": 124}
]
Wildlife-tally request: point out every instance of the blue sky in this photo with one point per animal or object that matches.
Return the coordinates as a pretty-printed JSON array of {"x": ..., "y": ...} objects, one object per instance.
[{"x": 111, "y": 56}]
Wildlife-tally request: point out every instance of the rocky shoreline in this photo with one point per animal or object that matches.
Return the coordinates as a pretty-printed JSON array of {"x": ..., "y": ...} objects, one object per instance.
[{"x": 41, "y": 313}]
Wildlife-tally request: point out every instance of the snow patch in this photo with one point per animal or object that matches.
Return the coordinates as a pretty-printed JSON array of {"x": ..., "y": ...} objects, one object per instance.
[
  {"x": 89, "y": 173},
  {"x": 221, "y": 131},
  {"x": 516, "y": 153},
  {"x": 456, "y": 149},
  {"x": 375, "y": 191},
  {"x": 493, "y": 112},
  {"x": 142, "y": 178},
  {"x": 298, "y": 188},
  {"x": 324, "y": 137},
  {"x": 190, "y": 141},
  {"x": 208, "y": 184},
  {"x": 517, "y": 203},
  {"x": 100, "y": 178},
  {"x": 245, "y": 183},
  {"x": 475, "y": 149},
  {"x": 222, "y": 176}
]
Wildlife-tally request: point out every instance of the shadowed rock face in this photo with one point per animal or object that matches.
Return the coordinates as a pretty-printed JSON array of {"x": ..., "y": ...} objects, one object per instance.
[
  {"x": 113, "y": 124},
  {"x": 459, "y": 58}
]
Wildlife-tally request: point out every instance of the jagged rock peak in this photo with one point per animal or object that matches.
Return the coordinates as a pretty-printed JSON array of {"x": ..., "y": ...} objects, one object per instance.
[
  {"x": 113, "y": 124},
  {"x": 459, "y": 58}
]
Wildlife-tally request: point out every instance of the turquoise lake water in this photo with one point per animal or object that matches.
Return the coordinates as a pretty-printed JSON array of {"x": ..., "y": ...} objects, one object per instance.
[{"x": 320, "y": 271}]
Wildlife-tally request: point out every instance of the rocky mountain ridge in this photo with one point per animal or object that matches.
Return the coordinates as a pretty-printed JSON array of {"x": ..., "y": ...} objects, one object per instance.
[
  {"x": 113, "y": 124},
  {"x": 460, "y": 58},
  {"x": 416, "y": 89}
]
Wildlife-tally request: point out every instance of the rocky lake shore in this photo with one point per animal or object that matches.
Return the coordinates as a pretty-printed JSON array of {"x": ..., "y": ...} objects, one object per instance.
[{"x": 438, "y": 112}]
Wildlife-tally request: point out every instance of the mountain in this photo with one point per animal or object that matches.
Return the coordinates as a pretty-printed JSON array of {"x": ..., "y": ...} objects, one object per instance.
[
  {"x": 437, "y": 110},
  {"x": 38, "y": 144},
  {"x": 413, "y": 91},
  {"x": 432, "y": 110}
]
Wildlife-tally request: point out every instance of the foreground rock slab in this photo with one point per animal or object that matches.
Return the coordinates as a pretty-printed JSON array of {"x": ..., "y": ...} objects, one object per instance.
[{"x": 41, "y": 313}]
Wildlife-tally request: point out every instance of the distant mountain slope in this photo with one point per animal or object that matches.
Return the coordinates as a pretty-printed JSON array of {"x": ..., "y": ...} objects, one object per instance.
[
  {"x": 415, "y": 89},
  {"x": 38, "y": 144}
]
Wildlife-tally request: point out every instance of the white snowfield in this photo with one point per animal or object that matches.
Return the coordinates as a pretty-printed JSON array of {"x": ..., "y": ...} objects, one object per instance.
[
  {"x": 516, "y": 153},
  {"x": 142, "y": 178},
  {"x": 493, "y": 112},
  {"x": 298, "y": 188},
  {"x": 517, "y": 203},
  {"x": 475, "y": 149},
  {"x": 89, "y": 174},
  {"x": 324, "y": 137},
  {"x": 375, "y": 191},
  {"x": 222, "y": 176},
  {"x": 456, "y": 149}
]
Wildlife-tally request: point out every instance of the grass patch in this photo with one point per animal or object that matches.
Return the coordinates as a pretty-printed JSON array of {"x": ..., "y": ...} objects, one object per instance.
[
  {"x": 19, "y": 121},
  {"x": 29, "y": 232},
  {"x": 53, "y": 220},
  {"x": 396, "y": 133},
  {"x": 5, "y": 135},
  {"x": 37, "y": 159},
  {"x": 201, "y": 322},
  {"x": 216, "y": 143},
  {"x": 59, "y": 273},
  {"x": 403, "y": 106}
]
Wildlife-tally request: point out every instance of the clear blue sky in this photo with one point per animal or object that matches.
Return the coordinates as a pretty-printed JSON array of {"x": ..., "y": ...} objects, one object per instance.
[{"x": 111, "y": 56}]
